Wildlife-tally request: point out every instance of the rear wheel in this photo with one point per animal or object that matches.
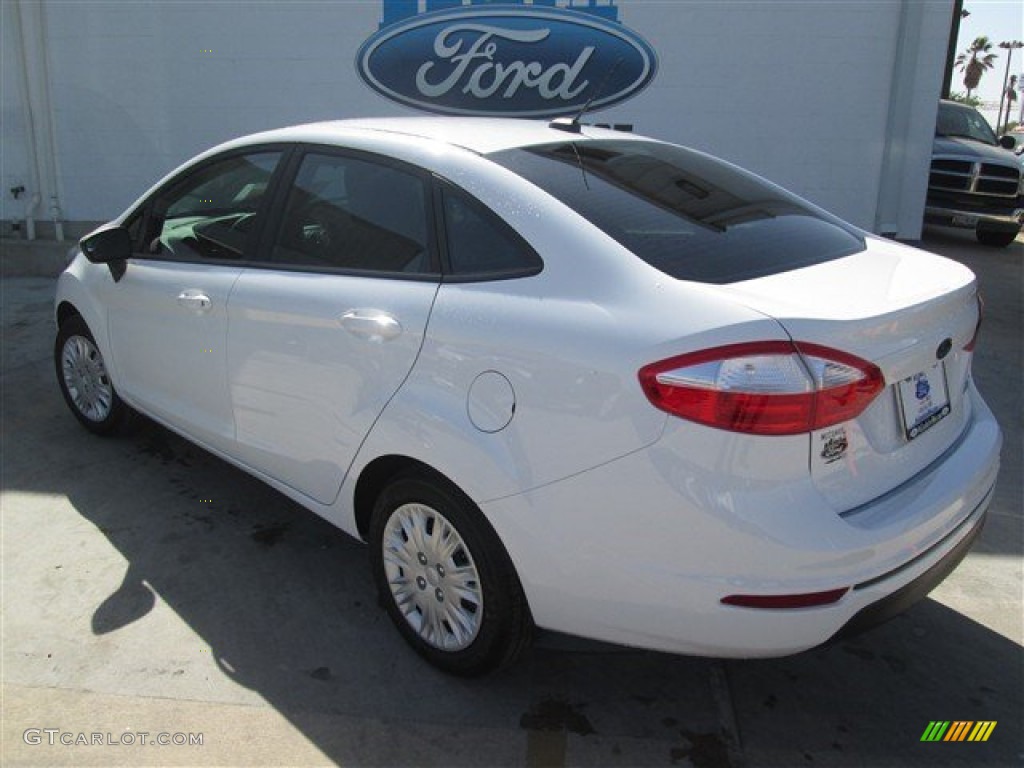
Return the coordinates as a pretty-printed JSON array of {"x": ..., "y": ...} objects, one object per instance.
[
  {"x": 84, "y": 381},
  {"x": 445, "y": 579},
  {"x": 996, "y": 239}
]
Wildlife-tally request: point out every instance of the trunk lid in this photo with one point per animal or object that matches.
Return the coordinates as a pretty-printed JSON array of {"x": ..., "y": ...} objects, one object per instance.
[{"x": 910, "y": 313}]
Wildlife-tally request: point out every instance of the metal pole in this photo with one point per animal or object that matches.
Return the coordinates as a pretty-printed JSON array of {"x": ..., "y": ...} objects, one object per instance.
[
  {"x": 954, "y": 34},
  {"x": 1002, "y": 93},
  {"x": 1015, "y": 88},
  {"x": 1009, "y": 46}
]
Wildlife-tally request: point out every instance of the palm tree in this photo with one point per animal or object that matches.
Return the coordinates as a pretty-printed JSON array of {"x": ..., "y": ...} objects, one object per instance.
[{"x": 973, "y": 67}]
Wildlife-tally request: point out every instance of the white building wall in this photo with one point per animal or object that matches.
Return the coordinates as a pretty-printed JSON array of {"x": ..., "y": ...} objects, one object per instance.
[
  {"x": 13, "y": 154},
  {"x": 25, "y": 115},
  {"x": 801, "y": 92}
]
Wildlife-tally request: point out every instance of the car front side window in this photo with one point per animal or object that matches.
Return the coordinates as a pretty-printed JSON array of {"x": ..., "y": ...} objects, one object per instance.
[{"x": 210, "y": 213}]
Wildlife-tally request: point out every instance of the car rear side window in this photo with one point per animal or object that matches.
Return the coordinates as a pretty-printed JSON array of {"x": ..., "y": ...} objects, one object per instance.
[
  {"x": 688, "y": 215},
  {"x": 480, "y": 245},
  {"x": 348, "y": 213}
]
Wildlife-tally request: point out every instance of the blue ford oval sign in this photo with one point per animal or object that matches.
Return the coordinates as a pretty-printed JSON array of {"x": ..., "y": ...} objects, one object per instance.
[{"x": 510, "y": 61}]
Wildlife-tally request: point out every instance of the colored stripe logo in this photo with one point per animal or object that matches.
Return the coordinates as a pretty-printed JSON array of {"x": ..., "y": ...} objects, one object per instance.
[{"x": 958, "y": 730}]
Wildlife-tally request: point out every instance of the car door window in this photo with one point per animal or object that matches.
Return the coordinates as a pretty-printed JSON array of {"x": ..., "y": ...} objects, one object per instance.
[
  {"x": 480, "y": 245},
  {"x": 348, "y": 213},
  {"x": 208, "y": 215}
]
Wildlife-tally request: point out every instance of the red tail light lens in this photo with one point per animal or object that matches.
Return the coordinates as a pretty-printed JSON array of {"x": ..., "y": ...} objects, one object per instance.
[{"x": 764, "y": 388}]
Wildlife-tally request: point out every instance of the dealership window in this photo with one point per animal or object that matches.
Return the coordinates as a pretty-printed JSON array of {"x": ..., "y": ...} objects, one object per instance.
[
  {"x": 209, "y": 214},
  {"x": 348, "y": 213}
]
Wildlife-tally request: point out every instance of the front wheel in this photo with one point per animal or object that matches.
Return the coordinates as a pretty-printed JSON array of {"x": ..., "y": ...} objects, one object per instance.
[
  {"x": 995, "y": 239},
  {"x": 445, "y": 579},
  {"x": 84, "y": 381}
]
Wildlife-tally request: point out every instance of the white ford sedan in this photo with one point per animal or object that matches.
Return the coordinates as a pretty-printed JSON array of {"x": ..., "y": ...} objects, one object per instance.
[{"x": 555, "y": 376}]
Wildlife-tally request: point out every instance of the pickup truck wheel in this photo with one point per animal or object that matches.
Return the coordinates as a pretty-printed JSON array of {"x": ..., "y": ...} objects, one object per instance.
[{"x": 995, "y": 239}]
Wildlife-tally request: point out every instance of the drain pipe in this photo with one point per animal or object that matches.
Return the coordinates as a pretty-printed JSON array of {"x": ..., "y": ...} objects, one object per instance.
[
  {"x": 50, "y": 125},
  {"x": 58, "y": 222},
  {"x": 29, "y": 124},
  {"x": 30, "y": 218}
]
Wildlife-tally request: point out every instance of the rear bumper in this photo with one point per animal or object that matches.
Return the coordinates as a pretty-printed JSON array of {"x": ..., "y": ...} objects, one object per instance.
[
  {"x": 904, "y": 597},
  {"x": 641, "y": 551}
]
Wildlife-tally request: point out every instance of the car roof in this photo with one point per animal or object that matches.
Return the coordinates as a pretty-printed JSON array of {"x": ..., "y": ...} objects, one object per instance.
[{"x": 477, "y": 134}]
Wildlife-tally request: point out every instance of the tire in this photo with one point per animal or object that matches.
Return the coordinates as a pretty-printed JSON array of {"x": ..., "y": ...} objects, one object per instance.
[
  {"x": 428, "y": 544},
  {"x": 84, "y": 381},
  {"x": 995, "y": 239}
]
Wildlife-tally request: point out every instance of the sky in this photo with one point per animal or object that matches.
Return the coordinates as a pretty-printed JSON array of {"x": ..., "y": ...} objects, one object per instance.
[{"x": 999, "y": 20}]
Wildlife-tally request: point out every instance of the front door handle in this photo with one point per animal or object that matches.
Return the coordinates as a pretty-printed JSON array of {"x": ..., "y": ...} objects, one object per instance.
[
  {"x": 371, "y": 324},
  {"x": 194, "y": 300}
]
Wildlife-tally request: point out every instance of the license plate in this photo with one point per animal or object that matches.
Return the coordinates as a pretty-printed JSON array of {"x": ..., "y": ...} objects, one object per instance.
[
  {"x": 965, "y": 221},
  {"x": 924, "y": 400}
]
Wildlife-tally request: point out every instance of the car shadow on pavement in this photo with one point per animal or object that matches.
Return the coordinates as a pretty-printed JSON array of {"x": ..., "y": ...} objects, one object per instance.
[
  {"x": 285, "y": 603},
  {"x": 867, "y": 701}
]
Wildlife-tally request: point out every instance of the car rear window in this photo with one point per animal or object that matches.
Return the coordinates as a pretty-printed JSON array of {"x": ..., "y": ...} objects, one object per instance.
[{"x": 687, "y": 214}]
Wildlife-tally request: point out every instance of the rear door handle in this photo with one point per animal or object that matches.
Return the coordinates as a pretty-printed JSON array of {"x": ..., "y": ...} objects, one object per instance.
[
  {"x": 371, "y": 324},
  {"x": 194, "y": 300}
]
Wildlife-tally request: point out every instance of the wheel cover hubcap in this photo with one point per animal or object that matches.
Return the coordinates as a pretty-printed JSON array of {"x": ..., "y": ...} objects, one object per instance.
[
  {"x": 432, "y": 577},
  {"x": 86, "y": 378}
]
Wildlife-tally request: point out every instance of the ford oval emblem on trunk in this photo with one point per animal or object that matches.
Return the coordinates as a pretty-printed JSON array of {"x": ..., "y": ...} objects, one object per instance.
[{"x": 511, "y": 61}]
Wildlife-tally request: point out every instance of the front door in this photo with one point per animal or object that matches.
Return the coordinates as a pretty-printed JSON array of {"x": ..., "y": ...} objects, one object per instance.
[
  {"x": 322, "y": 336},
  {"x": 167, "y": 317}
]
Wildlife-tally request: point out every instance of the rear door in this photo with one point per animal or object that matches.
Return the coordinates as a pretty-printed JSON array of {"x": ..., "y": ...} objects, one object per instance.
[
  {"x": 325, "y": 330},
  {"x": 168, "y": 312}
]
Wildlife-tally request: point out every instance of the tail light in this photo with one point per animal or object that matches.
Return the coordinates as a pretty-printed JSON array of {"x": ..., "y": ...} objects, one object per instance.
[
  {"x": 969, "y": 347},
  {"x": 764, "y": 388}
]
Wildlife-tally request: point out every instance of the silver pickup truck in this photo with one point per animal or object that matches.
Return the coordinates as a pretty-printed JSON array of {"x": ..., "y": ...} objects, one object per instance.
[{"x": 976, "y": 182}]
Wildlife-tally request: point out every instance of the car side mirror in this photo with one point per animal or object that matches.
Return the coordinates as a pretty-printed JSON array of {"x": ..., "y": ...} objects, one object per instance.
[
  {"x": 112, "y": 247},
  {"x": 1006, "y": 142},
  {"x": 108, "y": 245}
]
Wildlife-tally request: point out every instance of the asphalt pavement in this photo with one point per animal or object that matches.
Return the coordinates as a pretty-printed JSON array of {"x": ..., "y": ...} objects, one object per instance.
[{"x": 160, "y": 607}]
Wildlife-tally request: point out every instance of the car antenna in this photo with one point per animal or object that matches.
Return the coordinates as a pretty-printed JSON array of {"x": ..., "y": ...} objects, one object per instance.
[
  {"x": 572, "y": 125},
  {"x": 579, "y": 163}
]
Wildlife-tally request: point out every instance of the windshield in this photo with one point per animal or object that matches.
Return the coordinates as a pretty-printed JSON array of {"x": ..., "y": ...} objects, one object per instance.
[
  {"x": 684, "y": 213},
  {"x": 963, "y": 123}
]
